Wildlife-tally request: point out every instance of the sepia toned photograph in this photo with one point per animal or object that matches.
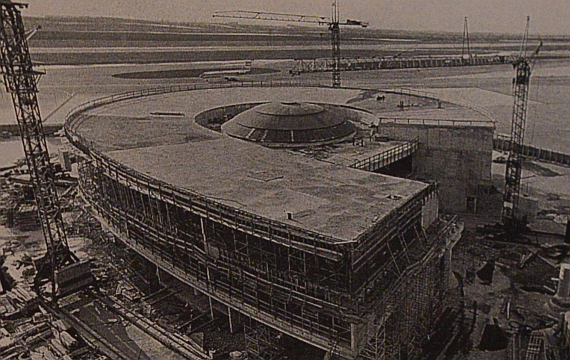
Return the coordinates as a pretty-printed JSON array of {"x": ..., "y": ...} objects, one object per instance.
[{"x": 273, "y": 180}]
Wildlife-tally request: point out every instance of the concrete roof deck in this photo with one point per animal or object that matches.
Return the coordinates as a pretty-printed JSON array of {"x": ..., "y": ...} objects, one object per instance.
[
  {"x": 418, "y": 109},
  {"x": 329, "y": 199},
  {"x": 322, "y": 196},
  {"x": 191, "y": 103},
  {"x": 110, "y": 132}
]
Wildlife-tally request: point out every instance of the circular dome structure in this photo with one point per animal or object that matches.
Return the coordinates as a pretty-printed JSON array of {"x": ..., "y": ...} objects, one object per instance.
[{"x": 289, "y": 124}]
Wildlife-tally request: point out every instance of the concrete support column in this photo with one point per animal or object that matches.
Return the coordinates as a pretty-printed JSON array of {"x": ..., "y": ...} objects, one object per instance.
[
  {"x": 562, "y": 297},
  {"x": 567, "y": 236},
  {"x": 353, "y": 337},
  {"x": 234, "y": 320},
  {"x": 564, "y": 286},
  {"x": 358, "y": 336},
  {"x": 447, "y": 257},
  {"x": 211, "y": 307},
  {"x": 154, "y": 278},
  {"x": 566, "y": 330}
]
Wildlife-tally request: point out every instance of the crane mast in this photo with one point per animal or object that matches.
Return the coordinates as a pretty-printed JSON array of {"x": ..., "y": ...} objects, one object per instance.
[
  {"x": 335, "y": 43},
  {"x": 523, "y": 66},
  {"x": 21, "y": 80},
  {"x": 515, "y": 159}
]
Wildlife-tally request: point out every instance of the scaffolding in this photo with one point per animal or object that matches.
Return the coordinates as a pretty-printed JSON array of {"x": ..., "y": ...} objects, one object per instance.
[
  {"x": 261, "y": 341},
  {"x": 410, "y": 309},
  {"x": 307, "y": 287},
  {"x": 255, "y": 274},
  {"x": 530, "y": 345},
  {"x": 339, "y": 295}
]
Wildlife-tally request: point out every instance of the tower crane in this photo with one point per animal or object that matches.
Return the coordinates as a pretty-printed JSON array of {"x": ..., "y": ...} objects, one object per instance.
[
  {"x": 21, "y": 80},
  {"x": 512, "y": 222},
  {"x": 333, "y": 23}
]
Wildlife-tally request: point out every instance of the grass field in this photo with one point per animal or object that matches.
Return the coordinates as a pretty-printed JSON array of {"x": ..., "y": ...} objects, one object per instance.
[{"x": 76, "y": 41}]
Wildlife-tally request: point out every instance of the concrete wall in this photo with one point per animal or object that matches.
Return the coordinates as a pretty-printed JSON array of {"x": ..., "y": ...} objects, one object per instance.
[{"x": 457, "y": 157}]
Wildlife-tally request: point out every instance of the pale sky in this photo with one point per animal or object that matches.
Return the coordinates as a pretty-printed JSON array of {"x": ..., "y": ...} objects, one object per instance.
[{"x": 547, "y": 16}]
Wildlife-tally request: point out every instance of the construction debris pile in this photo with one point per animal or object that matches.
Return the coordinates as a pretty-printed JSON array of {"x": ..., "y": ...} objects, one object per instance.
[
  {"x": 17, "y": 208},
  {"x": 510, "y": 290},
  {"x": 37, "y": 336},
  {"x": 28, "y": 330},
  {"x": 17, "y": 303}
]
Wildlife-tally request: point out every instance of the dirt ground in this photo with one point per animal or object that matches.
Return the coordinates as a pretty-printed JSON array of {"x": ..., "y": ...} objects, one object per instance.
[{"x": 520, "y": 294}]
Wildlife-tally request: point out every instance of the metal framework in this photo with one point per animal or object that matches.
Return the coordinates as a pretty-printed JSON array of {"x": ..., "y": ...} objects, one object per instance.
[
  {"x": 335, "y": 45},
  {"x": 333, "y": 23},
  {"x": 299, "y": 286},
  {"x": 375, "y": 63},
  {"x": 260, "y": 15},
  {"x": 515, "y": 159},
  {"x": 417, "y": 304},
  {"x": 261, "y": 341},
  {"x": 513, "y": 172},
  {"x": 380, "y": 160},
  {"x": 306, "y": 285},
  {"x": 21, "y": 82}
]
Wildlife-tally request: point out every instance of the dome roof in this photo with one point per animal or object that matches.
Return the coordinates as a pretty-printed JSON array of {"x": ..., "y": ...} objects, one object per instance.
[{"x": 289, "y": 124}]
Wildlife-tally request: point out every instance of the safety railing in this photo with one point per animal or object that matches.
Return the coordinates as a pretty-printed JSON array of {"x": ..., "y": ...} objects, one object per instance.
[
  {"x": 436, "y": 96},
  {"x": 434, "y": 122},
  {"x": 73, "y": 117},
  {"x": 382, "y": 159}
]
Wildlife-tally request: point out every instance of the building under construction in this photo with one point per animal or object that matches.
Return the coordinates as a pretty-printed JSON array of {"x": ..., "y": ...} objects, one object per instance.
[{"x": 295, "y": 209}]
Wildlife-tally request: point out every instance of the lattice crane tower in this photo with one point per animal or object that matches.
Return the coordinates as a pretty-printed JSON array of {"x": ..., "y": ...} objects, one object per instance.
[
  {"x": 21, "y": 80},
  {"x": 521, "y": 82}
]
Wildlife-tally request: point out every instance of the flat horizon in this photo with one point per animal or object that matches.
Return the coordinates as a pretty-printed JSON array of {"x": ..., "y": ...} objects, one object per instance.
[
  {"x": 495, "y": 16},
  {"x": 514, "y": 35}
]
